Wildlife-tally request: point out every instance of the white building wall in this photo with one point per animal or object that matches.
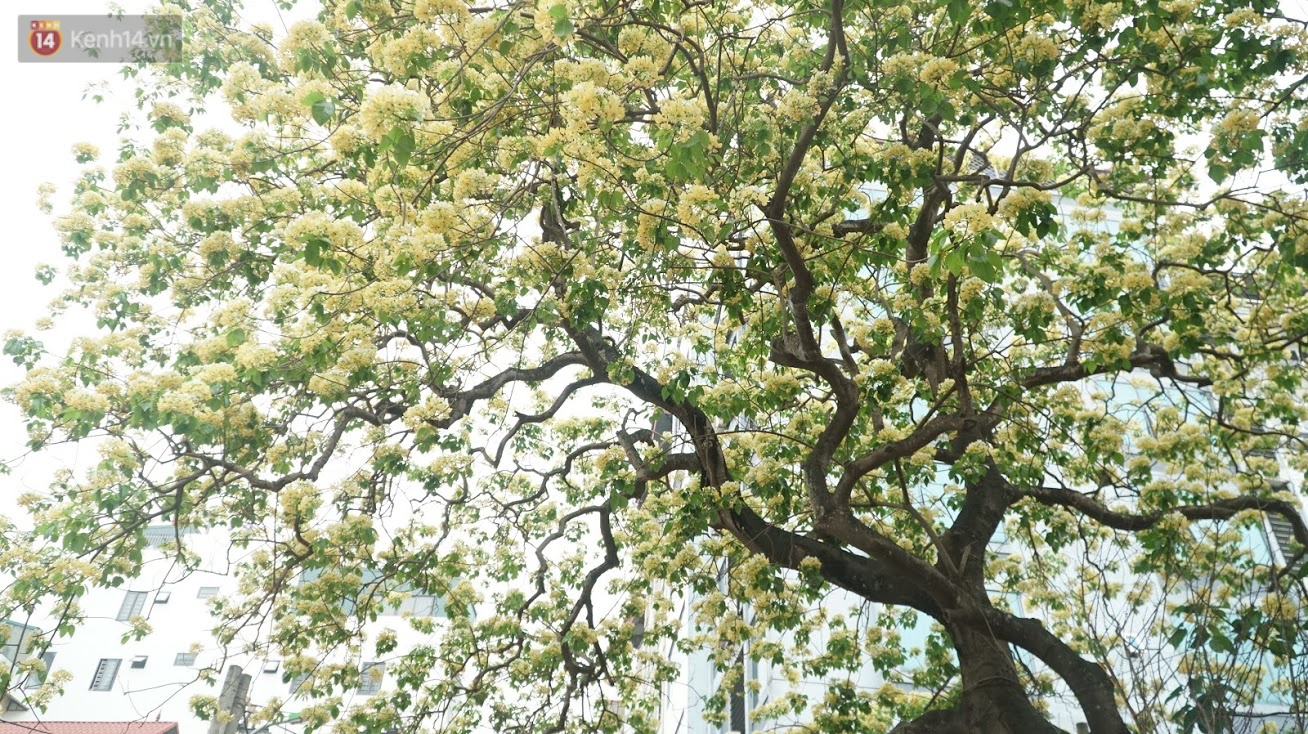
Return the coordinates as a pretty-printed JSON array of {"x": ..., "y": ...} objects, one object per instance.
[{"x": 163, "y": 685}]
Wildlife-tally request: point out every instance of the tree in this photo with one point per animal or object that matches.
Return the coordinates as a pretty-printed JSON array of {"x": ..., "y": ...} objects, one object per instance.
[{"x": 889, "y": 278}]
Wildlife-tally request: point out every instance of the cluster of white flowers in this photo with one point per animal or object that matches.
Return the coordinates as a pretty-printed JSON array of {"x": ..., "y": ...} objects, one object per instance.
[
  {"x": 683, "y": 115},
  {"x": 133, "y": 170},
  {"x": 1244, "y": 18},
  {"x": 205, "y": 162},
  {"x": 86, "y": 151},
  {"x": 1121, "y": 123},
  {"x": 1037, "y": 48},
  {"x": 969, "y": 289},
  {"x": 39, "y": 382},
  {"x": 647, "y": 224},
  {"x": 232, "y": 313},
  {"x": 1237, "y": 122},
  {"x": 1181, "y": 281},
  {"x": 969, "y": 219},
  {"x": 697, "y": 205},
  {"x": 1022, "y": 199},
  {"x": 798, "y": 105},
  {"x": 643, "y": 70},
  {"x": 544, "y": 21},
  {"x": 449, "y": 464},
  {"x": 1099, "y": 15},
  {"x": 242, "y": 80},
  {"x": 253, "y": 355},
  {"x": 299, "y": 500},
  {"x": 85, "y": 400},
  {"x": 1137, "y": 279},
  {"x": 167, "y": 111},
  {"x": 920, "y": 274},
  {"x": 187, "y": 399},
  {"x": 45, "y": 192},
  {"x": 586, "y": 102},
  {"x": 383, "y": 108},
  {"x": 396, "y": 55},
  {"x": 215, "y": 374},
  {"x": 937, "y": 71},
  {"x": 904, "y": 64},
  {"x": 347, "y": 139},
  {"x": 218, "y": 242},
  {"x": 639, "y": 39},
  {"x": 474, "y": 183},
  {"x": 304, "y": 35},
  {"x": 428, "y": 10},
  {"x": 318, "y": 224},
  {"x": 433, "y": 408},
  {"x": 1037, "y": 301}
]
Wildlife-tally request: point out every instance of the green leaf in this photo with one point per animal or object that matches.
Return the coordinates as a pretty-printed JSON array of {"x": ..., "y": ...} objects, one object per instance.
[
  {"x": 563, "y": 28},
  {"x": 313, "y": 251},
  {"x": 401, "y": 144},
  {"x": 1177, "y": 637},
  {"x": 675, "y": 169},
  {"x": 958, "y": 10},
  {"x": 987, "y": 267},
  {"x": 323, "y": 111},
  {"x": 953, "y": 262}
]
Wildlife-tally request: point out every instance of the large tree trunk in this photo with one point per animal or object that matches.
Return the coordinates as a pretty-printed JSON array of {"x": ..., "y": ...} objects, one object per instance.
[{"x": 994, "y": 700}]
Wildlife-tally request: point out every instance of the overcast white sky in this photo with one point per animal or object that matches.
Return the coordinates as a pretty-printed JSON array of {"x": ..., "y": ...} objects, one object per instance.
[{"x": 46, "y": 114}]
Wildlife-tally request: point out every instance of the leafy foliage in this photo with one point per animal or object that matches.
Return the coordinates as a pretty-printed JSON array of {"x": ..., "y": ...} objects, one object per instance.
[{"x": 563, "y": 312}]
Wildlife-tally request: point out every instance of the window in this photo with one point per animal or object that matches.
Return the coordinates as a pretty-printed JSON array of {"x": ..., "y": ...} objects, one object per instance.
[
  {"x": 419, "y": 605},
  {"x": 133, "y": 603},
  {"x": 913, "y": 640},
  {"x": 207, "y": 592},
  {"x": 18, "y": 639},
  {"x": 751, "y": 676},
  {"x": 371, "y": 678},
  {"x": 1279, "y": 534},
  {"x": 34, "y": 680},
  {"x": 376, "y": 586},
  {"x": 298, "y": 681},
  {"x": 105, "y": 673},
  {"x": 14, "y": 706},
  {"x": 272, "y": 666},
  {"x": 184, "y": 658},
  {"x": 158, "y": 535},
  {"x": 139, "y": 661},
  {"x": 163, "y": 597},
  {"x": 1005, "y": 600}
]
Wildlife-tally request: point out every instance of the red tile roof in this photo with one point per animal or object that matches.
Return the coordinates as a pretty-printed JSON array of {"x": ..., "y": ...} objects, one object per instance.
[{"x": 88, "y": 727}]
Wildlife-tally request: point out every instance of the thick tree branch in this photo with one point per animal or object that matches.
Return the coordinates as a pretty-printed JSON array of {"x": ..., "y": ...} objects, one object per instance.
[
  {"x": 746, "y": 525},
  {"x": 1146, "y": 355},
  {"x": 1222, "y": 509},
  {"x": 1089, "y": 682}
]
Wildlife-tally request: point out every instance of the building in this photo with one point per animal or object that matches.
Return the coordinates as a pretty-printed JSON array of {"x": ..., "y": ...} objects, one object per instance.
[
  {"x": 117, "y": 677},
  {"x": 90, "y": 727}
]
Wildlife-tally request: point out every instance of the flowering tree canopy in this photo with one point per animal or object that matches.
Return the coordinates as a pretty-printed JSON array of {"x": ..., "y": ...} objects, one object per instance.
[{"x": 564, "y": 312}]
